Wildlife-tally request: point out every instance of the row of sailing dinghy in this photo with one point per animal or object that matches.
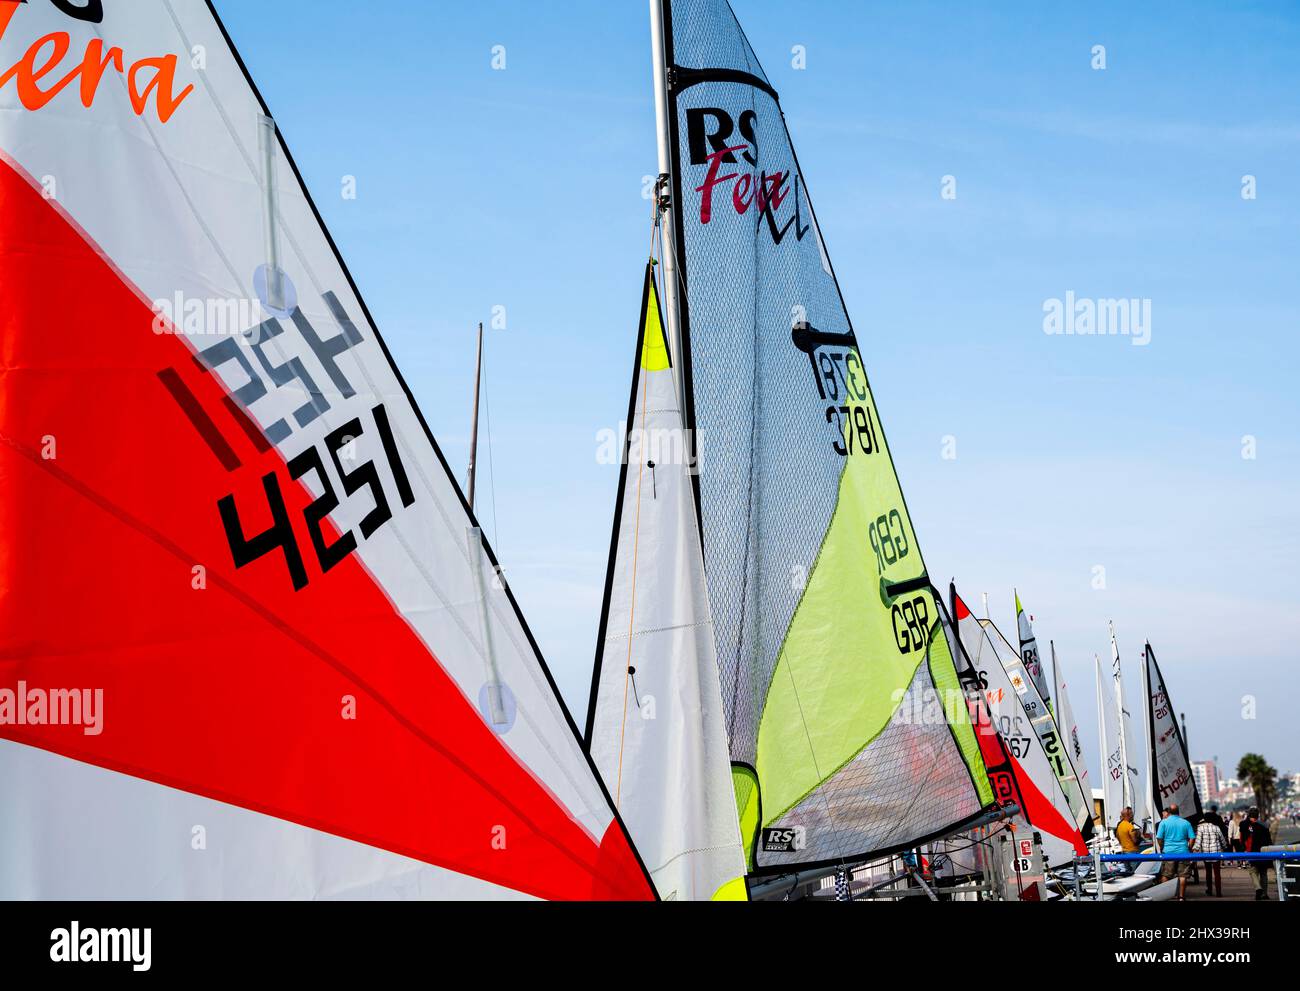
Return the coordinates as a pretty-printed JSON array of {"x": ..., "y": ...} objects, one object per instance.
[{"x": 316, "y": 682}]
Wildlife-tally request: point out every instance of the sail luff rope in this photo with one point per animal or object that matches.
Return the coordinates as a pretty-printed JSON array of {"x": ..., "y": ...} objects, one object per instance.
[
  {"x": 636, "y": 528},
  {"x": 631, "y": 615}
]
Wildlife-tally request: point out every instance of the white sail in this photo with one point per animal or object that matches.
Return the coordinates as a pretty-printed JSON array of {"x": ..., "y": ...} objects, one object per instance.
[
  {"x": 1068, "y": 727},
  {"x": 1133, "y": 779},
  {"x": 1113, "y": 767},
  {"x": 220, "y": 507},
  {"x": 655, "y": 727},
  {"x": 1171, "y": 777}
]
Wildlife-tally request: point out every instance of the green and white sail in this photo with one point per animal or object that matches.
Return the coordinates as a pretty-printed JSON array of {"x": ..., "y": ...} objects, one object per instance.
[
  {"x": 824, "y": 618},
  {"x": 1029, "y": 652},
  {"x": 655, "y": 728}
]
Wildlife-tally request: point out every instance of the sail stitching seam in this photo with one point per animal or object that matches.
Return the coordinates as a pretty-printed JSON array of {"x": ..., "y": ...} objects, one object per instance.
[{"x": 614, "y": 637}]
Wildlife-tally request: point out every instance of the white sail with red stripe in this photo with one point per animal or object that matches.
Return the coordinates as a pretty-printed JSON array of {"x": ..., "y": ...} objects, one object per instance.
[
  {"x": 224, "y": 516},
  {"x": 1040, "y": 797},
  {"x": 1040, "y": 719}
]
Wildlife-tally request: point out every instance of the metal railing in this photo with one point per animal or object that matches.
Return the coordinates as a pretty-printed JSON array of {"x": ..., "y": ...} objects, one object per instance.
[{"x": 1279, "y": 857}]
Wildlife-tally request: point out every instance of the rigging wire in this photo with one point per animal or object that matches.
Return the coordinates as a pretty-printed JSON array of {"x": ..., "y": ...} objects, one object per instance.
[{"x": 492, "y": 470}]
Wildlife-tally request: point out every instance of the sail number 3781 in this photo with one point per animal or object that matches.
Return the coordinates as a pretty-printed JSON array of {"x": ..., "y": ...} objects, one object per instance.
[{"x": 842, "y": 385}]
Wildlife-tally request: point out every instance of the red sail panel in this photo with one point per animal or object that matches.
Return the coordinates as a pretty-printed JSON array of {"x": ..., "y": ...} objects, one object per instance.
[{"x": 235, "y": 690}]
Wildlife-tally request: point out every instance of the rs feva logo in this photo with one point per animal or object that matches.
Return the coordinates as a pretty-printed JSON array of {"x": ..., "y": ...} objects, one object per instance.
[{"x": 710, "y": 141}]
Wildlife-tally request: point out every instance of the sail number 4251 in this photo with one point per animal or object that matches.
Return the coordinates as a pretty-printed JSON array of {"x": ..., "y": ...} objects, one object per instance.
[{"x": 245, "y": 549}]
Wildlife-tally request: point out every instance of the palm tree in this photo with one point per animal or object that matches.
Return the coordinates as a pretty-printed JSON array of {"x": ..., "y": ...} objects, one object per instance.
[{"x": 1262, "y": 778}]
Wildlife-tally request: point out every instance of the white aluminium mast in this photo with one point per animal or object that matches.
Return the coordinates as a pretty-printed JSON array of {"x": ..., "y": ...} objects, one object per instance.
[
  {"x": 1121, "y": 719},
  {"x": 663, "y": 196}
]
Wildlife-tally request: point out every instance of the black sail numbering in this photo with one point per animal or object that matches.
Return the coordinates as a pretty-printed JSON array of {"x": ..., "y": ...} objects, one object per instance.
[{"x": 849, "y": 734}]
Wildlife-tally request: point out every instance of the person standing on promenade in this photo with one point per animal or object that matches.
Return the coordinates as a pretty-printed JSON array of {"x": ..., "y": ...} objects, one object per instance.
[
  {"x": 1211, "y": 837},
  {"x": 1256, "y": 835},
  {"x": 1235, "y": 843},
  {"x": 1175, "y": 835}
]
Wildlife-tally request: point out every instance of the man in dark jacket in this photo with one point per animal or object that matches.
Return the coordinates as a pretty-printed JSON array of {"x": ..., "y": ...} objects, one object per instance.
[{"x": 1256, "y": 835}]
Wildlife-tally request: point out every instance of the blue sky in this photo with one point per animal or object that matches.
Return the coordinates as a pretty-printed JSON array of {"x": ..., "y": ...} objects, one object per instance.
[{"x": 522, "y": 188}]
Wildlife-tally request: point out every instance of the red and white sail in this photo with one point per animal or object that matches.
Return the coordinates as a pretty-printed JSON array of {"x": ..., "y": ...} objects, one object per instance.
[
  {"x": 1042, "y": 801},
  {"x": 1040, "y": 719},
  {"x": 221, "y": 511}
]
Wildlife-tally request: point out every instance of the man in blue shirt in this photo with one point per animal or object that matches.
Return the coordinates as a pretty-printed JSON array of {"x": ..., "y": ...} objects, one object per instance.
[{"x": 1175, "y": 835}]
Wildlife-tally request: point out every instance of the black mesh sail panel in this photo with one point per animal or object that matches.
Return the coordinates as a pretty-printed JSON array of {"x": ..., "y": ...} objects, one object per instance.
[{"x": 846, "y": 736}]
